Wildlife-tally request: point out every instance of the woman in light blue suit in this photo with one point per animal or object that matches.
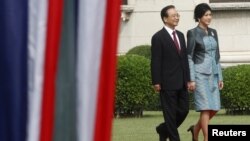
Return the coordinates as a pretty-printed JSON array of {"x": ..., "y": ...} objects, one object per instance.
[{"x": 205, "y": 69}]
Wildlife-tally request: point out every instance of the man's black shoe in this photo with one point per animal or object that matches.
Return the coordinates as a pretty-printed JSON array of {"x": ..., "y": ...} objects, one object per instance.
[{"x": 162, "y": 131}]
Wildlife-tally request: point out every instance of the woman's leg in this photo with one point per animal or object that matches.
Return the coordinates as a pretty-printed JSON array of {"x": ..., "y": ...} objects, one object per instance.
[
  {"x": 212, "y": 113},
  {"x": 197, "y": 126},
  {"x": 204, "y": 120},
  {"x": 197, "y": 129}
]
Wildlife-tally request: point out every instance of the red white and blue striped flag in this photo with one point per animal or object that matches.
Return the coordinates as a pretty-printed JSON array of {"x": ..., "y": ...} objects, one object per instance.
[{"x": 57, "y": 69}]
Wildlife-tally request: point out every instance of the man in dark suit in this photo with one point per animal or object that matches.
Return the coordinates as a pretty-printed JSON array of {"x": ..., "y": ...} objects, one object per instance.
[{"x": 170, "y": 74}]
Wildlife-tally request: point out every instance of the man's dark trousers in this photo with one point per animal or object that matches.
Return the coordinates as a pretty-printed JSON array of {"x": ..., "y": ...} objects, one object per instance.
[{"x": 175, "y": 107}]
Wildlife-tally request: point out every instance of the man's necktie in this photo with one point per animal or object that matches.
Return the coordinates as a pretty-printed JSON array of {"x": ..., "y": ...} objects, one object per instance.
[{"x": 176, "y": 42}]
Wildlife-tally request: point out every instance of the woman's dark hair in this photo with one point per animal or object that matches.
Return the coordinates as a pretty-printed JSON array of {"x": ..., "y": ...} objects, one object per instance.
[
  {"x": 200, "y": 11},
  {"x": 164, "y": 12}
]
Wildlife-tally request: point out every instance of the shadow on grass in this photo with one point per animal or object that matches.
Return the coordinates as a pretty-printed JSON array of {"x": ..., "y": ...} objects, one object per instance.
[{"x": 146, "y": 114}]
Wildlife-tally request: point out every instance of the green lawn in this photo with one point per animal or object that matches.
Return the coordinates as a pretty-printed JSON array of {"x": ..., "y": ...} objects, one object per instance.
[{"x": 143, "y": 129}]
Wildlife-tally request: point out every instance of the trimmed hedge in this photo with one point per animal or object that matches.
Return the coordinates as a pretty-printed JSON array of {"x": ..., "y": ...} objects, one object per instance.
[
  {"x": 133, "y": 90},
  {"x": 142, "y": 50},
  {"x": 236, "y": 92}
]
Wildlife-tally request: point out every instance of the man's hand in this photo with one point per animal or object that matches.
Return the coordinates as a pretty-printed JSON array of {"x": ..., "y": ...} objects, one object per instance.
[
  {"x": 157, "y": 87},
  {"x": 191, "y": 86}
]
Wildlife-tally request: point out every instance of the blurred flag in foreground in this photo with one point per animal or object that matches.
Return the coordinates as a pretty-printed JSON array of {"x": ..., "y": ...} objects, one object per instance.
[{"x": 57, "y": 69}]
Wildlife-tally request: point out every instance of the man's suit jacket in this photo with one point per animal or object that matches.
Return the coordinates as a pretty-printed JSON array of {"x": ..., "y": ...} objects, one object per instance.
[{"x": 169, "y": 68}]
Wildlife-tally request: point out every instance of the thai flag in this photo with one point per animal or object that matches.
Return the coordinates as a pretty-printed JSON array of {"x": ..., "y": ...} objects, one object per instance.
[{"x": 57, "y": 69}]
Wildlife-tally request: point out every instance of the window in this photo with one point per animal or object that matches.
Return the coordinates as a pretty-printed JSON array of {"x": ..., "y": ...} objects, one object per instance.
[
  {"x": 227, "y": 1},
  {"x": 124, "y": 2},
  {"x": 230, "y": 4}
]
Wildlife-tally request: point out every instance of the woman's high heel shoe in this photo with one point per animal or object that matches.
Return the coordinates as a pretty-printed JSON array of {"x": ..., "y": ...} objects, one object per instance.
[{"x": 191, "y": 129}]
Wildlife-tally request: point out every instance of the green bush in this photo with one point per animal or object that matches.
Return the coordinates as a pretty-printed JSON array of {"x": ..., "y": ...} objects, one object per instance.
[
  {"x": 133, "y": 90},
  {"x": 142, "y": 50},
  {"x": 236, "y": 92}
]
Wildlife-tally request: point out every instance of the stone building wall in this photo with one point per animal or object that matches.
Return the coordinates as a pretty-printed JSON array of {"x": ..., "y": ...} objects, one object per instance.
[{"x": 140, "y": 19}]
